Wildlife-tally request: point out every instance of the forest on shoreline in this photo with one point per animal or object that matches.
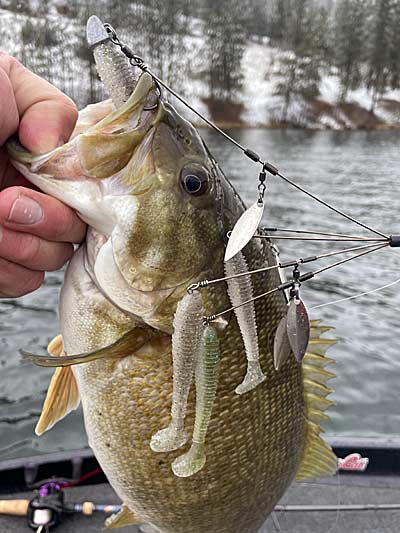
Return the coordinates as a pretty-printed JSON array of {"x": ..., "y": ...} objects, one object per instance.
[{"x": 202, "y": 45}]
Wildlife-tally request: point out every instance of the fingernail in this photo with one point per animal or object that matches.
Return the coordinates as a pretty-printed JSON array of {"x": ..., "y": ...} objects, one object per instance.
[
  {"x": 48, "y": 143},
  {"x": 24, "y": 210}
]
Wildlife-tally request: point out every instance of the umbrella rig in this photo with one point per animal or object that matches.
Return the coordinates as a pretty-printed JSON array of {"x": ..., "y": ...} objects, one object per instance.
[{"x": 195, "y": 344}]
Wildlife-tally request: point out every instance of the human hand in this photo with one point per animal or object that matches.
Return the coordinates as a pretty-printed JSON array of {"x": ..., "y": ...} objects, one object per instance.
[{"x": 36, "y": 230}]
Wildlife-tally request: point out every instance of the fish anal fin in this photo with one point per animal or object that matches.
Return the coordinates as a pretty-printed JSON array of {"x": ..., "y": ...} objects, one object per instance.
[
  {"x": 62, "y": 398},
  {"x": 125, "y": 517},
  {"x": 318, "y": 458}
]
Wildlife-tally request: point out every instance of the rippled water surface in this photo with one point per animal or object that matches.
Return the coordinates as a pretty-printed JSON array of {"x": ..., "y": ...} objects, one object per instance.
[{"x": 357, "y": 171}]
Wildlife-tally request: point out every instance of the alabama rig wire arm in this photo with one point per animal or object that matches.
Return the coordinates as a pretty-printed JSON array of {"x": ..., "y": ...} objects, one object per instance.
[
  {"x": 323, "y": 239},
  {"x": 138, "y": 61},
  {"x": 378, "y": 243},
  {"x": 326, "y": 236},
  {"x": 316, "y": 232},
  {"x": 304, "y": 277},
  {"x": 287, "y": 264}
]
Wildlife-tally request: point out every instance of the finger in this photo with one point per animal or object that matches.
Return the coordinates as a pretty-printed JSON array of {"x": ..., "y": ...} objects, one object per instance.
[
  {"x": 9, "y": 175},
  {"x": 29, "y": 211},
  {"x": 47, "y": 116},
  {"x": 32, "y": 251},
  {"x": 16, "y": 280},
  {"x": 9, "y": 116}
]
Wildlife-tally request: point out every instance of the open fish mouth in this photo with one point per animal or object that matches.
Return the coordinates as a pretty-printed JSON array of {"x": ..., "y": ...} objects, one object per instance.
[
  {"x": 89, "y": 166},
  {"x": 140, "y": 176}
]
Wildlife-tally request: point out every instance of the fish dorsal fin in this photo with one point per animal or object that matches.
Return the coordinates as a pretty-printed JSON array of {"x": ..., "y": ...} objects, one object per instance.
[
  {"x": 125, "y": 517},
  {"x": 318, "y": 458},
  {"x": 319, "y": 346},
  {"x": 62, "y": 395}
]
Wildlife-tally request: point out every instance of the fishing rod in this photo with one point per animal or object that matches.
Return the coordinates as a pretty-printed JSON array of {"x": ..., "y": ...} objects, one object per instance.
[
  {"x": 47, "y": 508},
  {"x": 338, "y": 507}
]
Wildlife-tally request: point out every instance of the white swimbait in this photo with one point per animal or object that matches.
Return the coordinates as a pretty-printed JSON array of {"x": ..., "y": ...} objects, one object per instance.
[
  {"x": 207, "y": 367},
  {"x": 112, "y": 66},
  {"x": 186, "y": 348},
  {"x": 241, "y": 290}
]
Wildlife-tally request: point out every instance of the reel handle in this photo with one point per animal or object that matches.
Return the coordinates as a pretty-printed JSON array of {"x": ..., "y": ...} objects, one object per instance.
[{"x": 14, "y": 507}]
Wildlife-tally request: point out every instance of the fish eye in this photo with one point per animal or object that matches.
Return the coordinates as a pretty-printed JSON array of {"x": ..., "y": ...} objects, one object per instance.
[{"x": 194, "y": 180}]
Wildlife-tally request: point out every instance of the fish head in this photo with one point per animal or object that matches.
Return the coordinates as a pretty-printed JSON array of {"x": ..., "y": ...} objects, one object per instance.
[{"x": 142, "y": 178}]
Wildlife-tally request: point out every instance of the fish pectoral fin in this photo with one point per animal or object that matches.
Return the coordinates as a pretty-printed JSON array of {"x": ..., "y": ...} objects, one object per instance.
[
  {"x": 128, "y": 343},
  {"x": 62, "y": 395},
  {"x": 62, "y": 398},
  {"x": 125, "y": 517},
  {"x": 55, "y": 346}
]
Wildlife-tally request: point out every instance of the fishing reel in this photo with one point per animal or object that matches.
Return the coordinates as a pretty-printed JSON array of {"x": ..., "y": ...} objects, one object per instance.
[{"x": 46, "y": 508}]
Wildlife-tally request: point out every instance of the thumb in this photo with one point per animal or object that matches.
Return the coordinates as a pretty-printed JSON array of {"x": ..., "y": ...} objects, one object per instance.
[
  {"x": 47, "y": 124},
  {"x": 47, "y": 116}
]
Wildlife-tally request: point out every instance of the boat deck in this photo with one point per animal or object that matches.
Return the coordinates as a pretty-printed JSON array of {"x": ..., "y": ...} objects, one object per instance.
[{"x": 343, "y": 489}]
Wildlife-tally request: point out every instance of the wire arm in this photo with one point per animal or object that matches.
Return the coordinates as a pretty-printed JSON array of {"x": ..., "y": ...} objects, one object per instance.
[
  {"x": 324, "y": 239},
  {"x": 266, "y": 166},
  {"x": 302, "y": 278},
  {"x": 137, "y": 61},
  {"x": 331, "y": 207},
  {"x": 315, "y": 232},
  {"x": 206, "y": 282}
]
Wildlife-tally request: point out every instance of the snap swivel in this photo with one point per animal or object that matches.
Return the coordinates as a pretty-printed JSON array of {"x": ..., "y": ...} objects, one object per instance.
[{"x": 295, "y": 287}]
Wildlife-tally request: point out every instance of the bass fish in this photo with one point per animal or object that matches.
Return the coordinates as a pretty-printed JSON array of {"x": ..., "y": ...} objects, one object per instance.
[{"x": 158, "y": 209}]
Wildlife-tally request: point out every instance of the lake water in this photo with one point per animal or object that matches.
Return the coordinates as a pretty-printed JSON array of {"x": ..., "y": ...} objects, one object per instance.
[{"x": 356, "y": 171}]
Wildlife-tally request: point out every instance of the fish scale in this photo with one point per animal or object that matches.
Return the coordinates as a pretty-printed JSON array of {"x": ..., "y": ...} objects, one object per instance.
[
  {"x": 246, "y": 448},
  {"x": 118, "y": 300}
]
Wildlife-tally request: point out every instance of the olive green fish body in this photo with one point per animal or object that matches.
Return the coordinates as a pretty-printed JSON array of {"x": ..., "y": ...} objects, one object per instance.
[
  {"x": 254, "y": 441},
  {"x": 158, "y": 209}
]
